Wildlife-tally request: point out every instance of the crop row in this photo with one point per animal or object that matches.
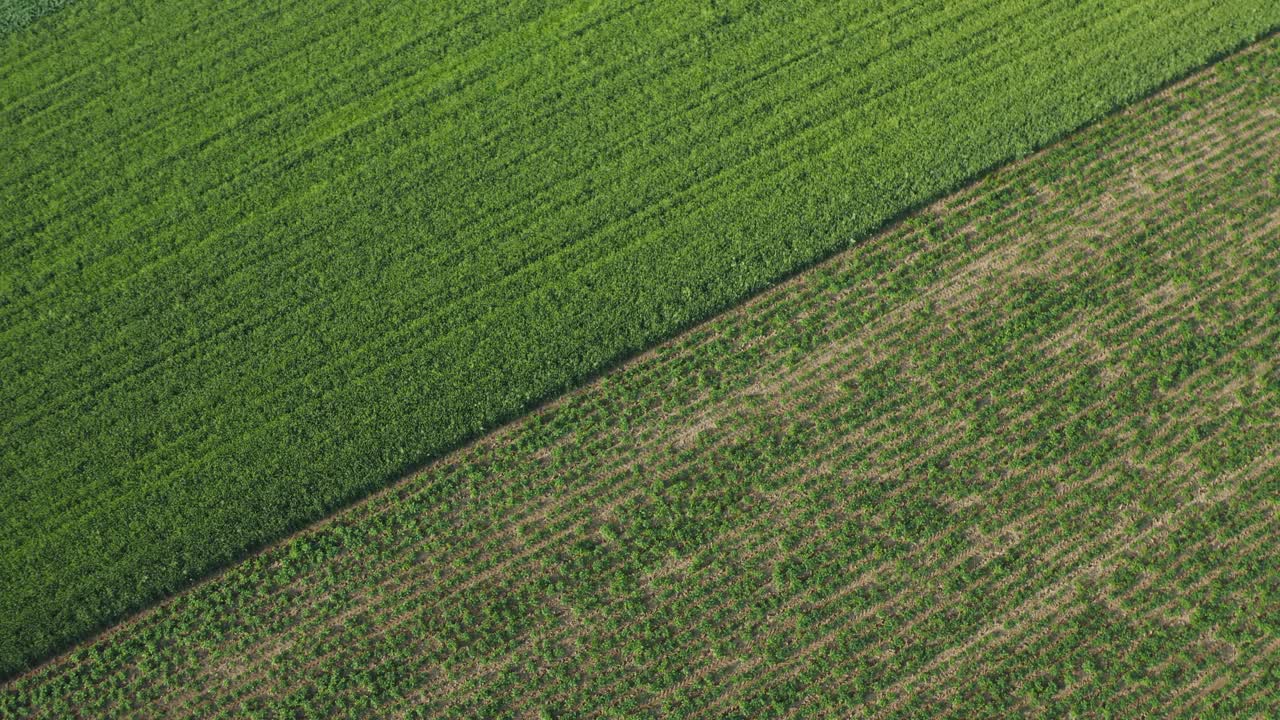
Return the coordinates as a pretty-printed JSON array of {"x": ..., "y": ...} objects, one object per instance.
[
  {"x": 1015, "y": 455},
  {"x": 259, "y": 260}
]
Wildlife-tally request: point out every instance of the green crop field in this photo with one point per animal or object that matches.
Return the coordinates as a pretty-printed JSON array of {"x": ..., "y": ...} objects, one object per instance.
[
  {"x": 17, "y": 14},
  {"x": 1016, "y": 455},
  {"x": 260, "y": 259}
]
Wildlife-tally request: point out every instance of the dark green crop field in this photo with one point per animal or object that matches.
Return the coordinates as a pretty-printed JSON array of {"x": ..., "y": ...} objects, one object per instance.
[
  {"x": 16, "y": 14},
  {"x": 1016, "y": 456},
  {"x": 259, "y": 259}
]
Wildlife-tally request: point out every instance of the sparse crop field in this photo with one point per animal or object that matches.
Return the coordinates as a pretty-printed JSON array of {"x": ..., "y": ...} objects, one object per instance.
[
  {"x": 1019, "y": 454},
  {"x": 259, "y": 259}
]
